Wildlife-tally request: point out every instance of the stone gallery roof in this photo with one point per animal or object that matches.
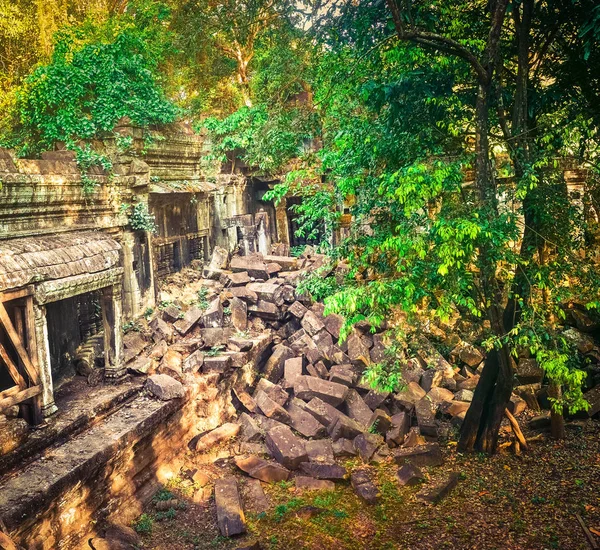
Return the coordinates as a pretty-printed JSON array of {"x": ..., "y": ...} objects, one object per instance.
[
  {"x": 49, "y": 257},
  {"x": 183, "y": 186}
]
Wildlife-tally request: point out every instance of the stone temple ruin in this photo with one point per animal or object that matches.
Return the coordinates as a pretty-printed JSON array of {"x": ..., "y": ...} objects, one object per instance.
[{"x": 123, "y": 352}]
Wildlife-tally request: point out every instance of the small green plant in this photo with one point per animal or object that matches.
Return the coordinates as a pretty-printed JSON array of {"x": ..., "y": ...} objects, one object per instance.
[
  {"x": 148, "y": 313},
  {"x": 171, "y": 513},
  {"x": 162, "y": 495},
  {"x": 373, "y": 427},
  {"x": 318, "y": 286},
  {"x": 143, "y": 525},
  {"x": 131, "y": 325},
  {"x": 215, "y": 350},
  {"x": 123, "y": 143},
  {"x": 282, "y": 509},
  {"x": 140, "y": 219},
  {"x": 296, "y": 251},
  {"x": 203, "y": 297},
  {"x": 154, "y": 179},
  {"x": 227, "y": 310}
]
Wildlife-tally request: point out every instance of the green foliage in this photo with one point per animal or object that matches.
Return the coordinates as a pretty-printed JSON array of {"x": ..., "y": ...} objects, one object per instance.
[
  {"x": 203, "y": 302},
  {"x": 139, "y": 217},
  {"x": 143, "y": 525},
  {"x": 317, "y": 286}
]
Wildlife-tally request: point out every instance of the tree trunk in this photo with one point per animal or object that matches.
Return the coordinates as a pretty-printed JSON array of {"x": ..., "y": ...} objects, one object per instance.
[{"x": 557, "y": 420}]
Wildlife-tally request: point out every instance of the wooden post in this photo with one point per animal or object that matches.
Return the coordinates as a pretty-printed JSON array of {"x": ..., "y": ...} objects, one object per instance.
[
  {"x": 113, "y": 341},
  {"x": 40, "y": 329}
]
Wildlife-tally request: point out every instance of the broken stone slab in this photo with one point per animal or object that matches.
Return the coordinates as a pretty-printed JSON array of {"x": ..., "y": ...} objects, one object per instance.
[
  {"x": 364, "y": 487},
  {"x": 246, "y": 400},
  {"x": 194, "y": 362},
  {"x": 334, "y": 323},
  {"x": 258, "y": 468},
  {"x": 162, "y": 330},
  {"x": 304, "y": 422},
  {"x": 305, "y": 483},
  {"x": 274, "y": 367},
  {"x": 274, "y": 391},
  {"x": 285, "y": 447},
  {"x": 398, "y": 430},
  {"x": 468, "y": 354},
  {"x": 243, "y": 293},
  {"x": 141, "y": 365},
  {"x": 312, "y": 371},
  {"x": 409, "y": 475},
  {"x": 425, "y": 417},
  {"x": 593, "y": 398},
  {"x": 357, "y": 350},
  {"x": 454, "y": 408},
  {"x": 249, "y": 430},
  {"x": 297, "y": 310},
  {"x": 255, "y": 499},
  {"x": 463, "y": 395},
  {"x": 189, "y": 320},
  {"x": 172, "y": 362},
  {"x": 469, "y": 383},
  {"x": 438, "y": 395},
  {"x": 311, "y": 323},
  {"x": 429, "y": 454},
  {"x": 380, "y": 422},
  {"x": 308, "y": 387},
  {"x": 375, "y": 399},
  {"x": 225, "y": 432},
  {"x": 239, "y": 314},
  {"x": 254, "y": 266},
  {"x": 215, "y": 337},
  {"x": 266, "y": 310},
  {"x": 431, "y": 378},
  {"x": 344, "y": 427},
  {"x": 292, "y": 368},
  {"x": 165, "y": 387},
  {"x": 435, "y": 494},
  {"x": 343, "y": 448},
  {"x": 366, "y": 444},
  {"x": 238, "y": 279},
  {"x": 213, "y": 316},
  {"x": 357, "y": 409},
  {"x": 289, "y": 263},
  {"x": 325, "y": 413},
  {"x": 517, "y": 406},
  {"x": 319, "y": 450},
  {"x": 159, "y": 350},
  {"x": 270, "y": 408},
  {"x": 269, "y": 292},
  {"x": 414, "y": 438},
  {"x": 289, "y": 293},
  {"x": 240, "y": 344},
  {"x": 321, "y": 370},
  {"x": 324, "y": 342},
  {"x": 273, "y": 268},
  {"x": 171, "y": 313},
  {"x": 230, "y": 516},
  {"x": 342, "y": 374},
  {"x": 218, "y": 363},
  {"x": 322, "y": 470},
  {"x": 338, "y": 357}
]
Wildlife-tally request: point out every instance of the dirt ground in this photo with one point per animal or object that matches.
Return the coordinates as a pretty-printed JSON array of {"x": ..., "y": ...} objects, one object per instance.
[{"x": 502, "y": 502}]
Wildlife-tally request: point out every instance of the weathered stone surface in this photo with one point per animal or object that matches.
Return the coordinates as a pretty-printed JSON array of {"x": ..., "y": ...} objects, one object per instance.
[
  {"x": 463, "y": 395},
  {"x": 338, "y": 357},
  {"x": 324, "y": 342},
  {"x": 343, "y": 448},
  {"x": 164, "y": 387},
  {"x": 308, "y": 387},
  {"x": 246, "y": 400},
  {"x": 357, "y": 350},
  {"x": 398, "y": 430},
  {"x": 516, "y": 405},
  {"x": 172, "y": 363},
  {"x": 357, "y": 409},
  {"x": 161, "y": 330},
  {"x": 304, "y": 422},
  {"x": 218, "y": 363},
  {"x": 422, "y": 455},
  {"x": 270, "y": 408},
  {"x": 342, "y": 374},
  {"x": 364, "y": 487},
  {"x": 297, "y": 310},
  {"x": 414, "y": 438},
  {"x": 194, "y": 362},
  {"x": 305, "y": 483},
  {"x": 323, "y": 470},
  {"x": 269, "y": 292},
  {"x": 266, "y": 310},
  {"x": 311, "y": 323},
  {"x": 252, "y": 265},
  {"x": 227, "y": 431},
  {"x": 269, "y": 472},
  {"x": 249, "y": 430},
  {"x": 274, "y": 367},
  {"x": 274, "y": 391},
  {"x": 213, "y": 316},
  {"x": 285, "y": 447},
  {"x": 409, "y": 475},
  {"x": 230, "y": 516},
  {"x": 426, "y": 417},
  {"x": 366, "y": 444},
  {"x": 171, "y": 313},
  {"x": 469, "y": 383},
  {"x": 439, "y": 395},
  {"x": 292, "y": 368},
  {"x": 214, "y": 337},
  {"x": 159, "y": 350},
  {"x": 454, "y": 408},
  {"x": 528, "y": 371},
  {"x": 436, "y": 493},
  {"x": 344, "y": 427},
  {"x": 239, "y": 314},
  {"x": 189, "y": 320},
  {"x": 325, "y": 413},
  {"x": 288, "y": 263},
  {"x": 380, "y": 422},
  {"x": 374, "y": 399},
  {"x": 431, "y": 378},
  {"x": 593, "y": 398},
  {"x": 319, "y": 450},
  {"x": 333, "y": 323},
  {"x": 240, "y": 344},
  {"x": 255, "y": 500},
  {"x": 244, "y": 293},
  {"x": 238, "y": 279},
  {"x": 141, "y": 365}
]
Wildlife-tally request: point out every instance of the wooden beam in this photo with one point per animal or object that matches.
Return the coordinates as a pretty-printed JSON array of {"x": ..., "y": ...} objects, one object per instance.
[
  {"x": 16, "y": 342},
  {"x": 20, "y": 397},
  {"x": 16, "y": 294},
  {"x": 12, "y": 368},
  {"x": 10, "y": 391}
]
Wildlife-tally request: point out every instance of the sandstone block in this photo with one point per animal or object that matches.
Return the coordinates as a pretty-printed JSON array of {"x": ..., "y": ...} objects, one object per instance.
[
  {"x": 258, "y": 468},
  {"x": 230, "y": 516},
  {"x": 308, "y": 387},
  {"x": 285, "y": 447},
  {"x": 227, "y": 431},
  {"x": 164, "y": 387}
]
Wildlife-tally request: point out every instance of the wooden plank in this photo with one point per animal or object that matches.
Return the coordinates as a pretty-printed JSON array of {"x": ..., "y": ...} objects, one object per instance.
[
  {"x": 12, "y": 369},
  {"x": 16, "y": 294},
  {"x": 16, "y": 342},
  {"x": 6, "y": 543},
  {"x": 10, "y": 391},
  {"x": 587, "y": 532},
  {"x": 20, "y": 397}
]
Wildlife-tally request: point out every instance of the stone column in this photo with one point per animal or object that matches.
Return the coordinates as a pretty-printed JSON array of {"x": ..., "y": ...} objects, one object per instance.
[
  {"x": 43, "y": 359},
  {"x": 282, "y": 223},
  {"x": 113, "y": 341}
]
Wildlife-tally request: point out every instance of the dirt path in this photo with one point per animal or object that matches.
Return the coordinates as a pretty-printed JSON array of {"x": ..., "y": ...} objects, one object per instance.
[{"x": 507, "y": 502}]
